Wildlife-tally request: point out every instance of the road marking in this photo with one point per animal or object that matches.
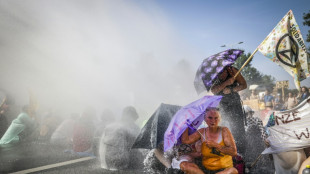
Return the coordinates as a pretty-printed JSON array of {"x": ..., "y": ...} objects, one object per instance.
[{"x": 53, "y": 165}]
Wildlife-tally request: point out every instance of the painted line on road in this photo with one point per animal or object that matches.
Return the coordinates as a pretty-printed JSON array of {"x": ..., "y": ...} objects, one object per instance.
[{"x": 53, "y": 165}]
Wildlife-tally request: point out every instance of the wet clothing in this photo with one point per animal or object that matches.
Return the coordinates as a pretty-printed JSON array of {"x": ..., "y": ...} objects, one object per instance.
[
  {"x": 20, "y": 129},
  {"x": 232, "y": 114},
  {"x": 64, "y": 133},
  {"x": 212, "y": 160},
  {"x": 115, "y": 146},
  {"x": 83, "y": 133}
]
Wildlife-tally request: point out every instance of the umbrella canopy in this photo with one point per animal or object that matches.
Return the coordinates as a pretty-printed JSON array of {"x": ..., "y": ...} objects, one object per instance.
[
  {"x": 212, "y": 66},
  {"x": 153, "y": 131},
  {"x": 192, "y": 113}
]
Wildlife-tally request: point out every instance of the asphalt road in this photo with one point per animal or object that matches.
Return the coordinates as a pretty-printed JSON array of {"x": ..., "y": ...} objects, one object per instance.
[{"x": 34, "y": 156}]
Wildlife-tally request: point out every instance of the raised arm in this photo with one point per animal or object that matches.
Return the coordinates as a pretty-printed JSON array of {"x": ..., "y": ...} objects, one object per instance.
[
  {"x": 222, "y": 87},
  {"x": 215, "y": 89},
  {"x": 189, "y": 139},
  {"x": 241, "y": 81},
  {"x": 230, "y": 147}
]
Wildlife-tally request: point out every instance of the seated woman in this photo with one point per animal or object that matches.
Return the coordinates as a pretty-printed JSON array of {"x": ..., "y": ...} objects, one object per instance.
[
  {"x": 22, "y": 128},
  {"x": 218, "y": 147}
]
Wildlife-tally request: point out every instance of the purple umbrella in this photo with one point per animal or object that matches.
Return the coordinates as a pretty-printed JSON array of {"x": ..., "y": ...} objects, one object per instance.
[
  {"x": 191, "y": 113},
  {"x": 212, "y": 66}
]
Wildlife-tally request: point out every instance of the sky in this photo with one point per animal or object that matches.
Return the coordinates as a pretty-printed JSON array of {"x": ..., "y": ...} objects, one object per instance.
[
  {"x": 206, "y": 25},
  {"x": 114, "y": 53}
]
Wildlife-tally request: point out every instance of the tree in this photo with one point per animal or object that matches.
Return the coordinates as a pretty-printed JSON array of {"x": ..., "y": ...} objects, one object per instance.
[
  {"x": 252, "y": 75},
  {"x": 307, "y": 23}
]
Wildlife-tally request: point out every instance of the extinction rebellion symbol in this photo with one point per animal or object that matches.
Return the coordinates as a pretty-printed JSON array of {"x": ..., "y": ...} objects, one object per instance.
[{"x": 288, "y": 56}]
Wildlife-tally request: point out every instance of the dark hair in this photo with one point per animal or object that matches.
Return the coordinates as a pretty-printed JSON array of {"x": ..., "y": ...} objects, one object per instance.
[{"x": 212, "y": 108}]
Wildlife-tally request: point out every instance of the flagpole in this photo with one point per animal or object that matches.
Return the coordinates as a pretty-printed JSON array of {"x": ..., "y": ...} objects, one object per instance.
[{"x": 245, "y": 63}]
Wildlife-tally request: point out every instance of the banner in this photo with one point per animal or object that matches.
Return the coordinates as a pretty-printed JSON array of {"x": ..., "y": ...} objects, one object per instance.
[
  {"x": 291, "y": 130},
  {"x": 286, "y": 47}
]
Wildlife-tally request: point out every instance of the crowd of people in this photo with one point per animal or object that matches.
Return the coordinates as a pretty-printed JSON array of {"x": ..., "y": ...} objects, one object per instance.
[
  {"x": 108, "y": 139},
  {"x": 276, "y": 101},
  {"x": 225, "y": 145}
]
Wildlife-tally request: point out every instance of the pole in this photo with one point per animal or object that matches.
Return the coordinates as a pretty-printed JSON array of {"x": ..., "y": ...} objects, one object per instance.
[
  {"x": 283, "y": 98},
  {"x": 256, "y": 160},
  {"x": 245, "y": 63}
]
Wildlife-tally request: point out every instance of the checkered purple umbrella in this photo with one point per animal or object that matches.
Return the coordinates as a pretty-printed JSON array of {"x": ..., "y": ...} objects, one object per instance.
[{"x": 212, "y": 66}]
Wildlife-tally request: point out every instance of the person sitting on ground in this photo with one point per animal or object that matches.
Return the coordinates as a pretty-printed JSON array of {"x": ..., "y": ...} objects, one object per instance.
[
  {"x": 83, "y": 131},
  {"x": 64, "y": 133},
  {"x": 116, "y": 142},
  {"x": 218, "y": 146},
  {"x": 21, "y": 128},
  {"x": 48, "y": 124},
  {"x": 106, "y": 117}
]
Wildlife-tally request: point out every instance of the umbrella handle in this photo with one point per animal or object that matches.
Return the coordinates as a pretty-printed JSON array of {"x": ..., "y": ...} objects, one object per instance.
[
  {"x": 245, "y": 63},
  {"x": 196, "y": 130},
  {"x": 202, "y": 135}
]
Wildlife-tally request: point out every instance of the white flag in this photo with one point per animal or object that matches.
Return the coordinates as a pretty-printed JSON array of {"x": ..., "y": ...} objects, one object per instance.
[{"x": 286, "y": 47}]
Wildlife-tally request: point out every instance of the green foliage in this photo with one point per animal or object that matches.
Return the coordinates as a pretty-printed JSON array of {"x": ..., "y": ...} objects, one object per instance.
[{"x": 252, "y": 75}]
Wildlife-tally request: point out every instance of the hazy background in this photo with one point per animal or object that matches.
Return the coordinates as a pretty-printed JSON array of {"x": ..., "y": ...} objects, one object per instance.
[{"x": 114, "y": 53}]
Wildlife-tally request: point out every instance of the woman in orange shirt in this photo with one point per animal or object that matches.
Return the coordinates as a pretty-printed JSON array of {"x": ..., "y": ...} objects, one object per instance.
[{"x": 218, "y": 147}]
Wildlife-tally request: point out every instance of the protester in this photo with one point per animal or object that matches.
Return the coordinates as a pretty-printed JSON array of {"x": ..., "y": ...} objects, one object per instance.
[
  {"x": 21, "y": 128},
  {"x": 83, "y": 131},
  {"x": 304, "y": 94},
  {"x": 117, "y": 140},
  {"x": 64, "y": 133},
  {"x": 217, "y": 147},
  {"x": 230, "y": 105},
  {"x": 106, "y": 118},
  {"x": 278, "y": 103},
  {"x": 48, "y": 124},
  {"x": 291, "y": 101},
  {"x": 268, "y": 99},
  {"x": 264, "y": 114}
]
